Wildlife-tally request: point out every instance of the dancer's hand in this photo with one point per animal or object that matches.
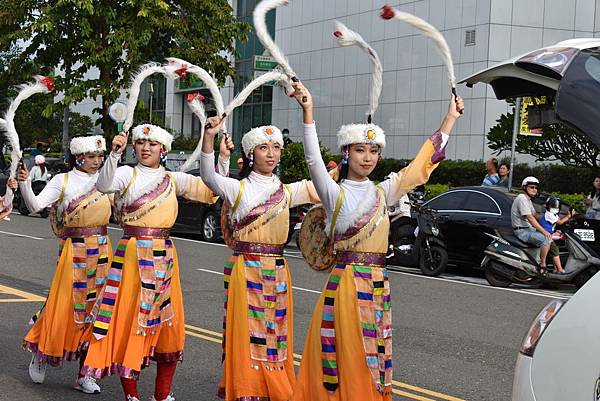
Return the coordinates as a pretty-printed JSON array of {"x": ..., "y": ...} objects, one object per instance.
[
  {"x": 225, "y": 147},
  {"x": 302, "y": 95},
  {"x": 22, "y": 173},
  {"x": 456, "y": 107},
  {"x": 119, "y": 143},
  {"x": 215, "y": 126},
  {"x": 12, "y": 183}
]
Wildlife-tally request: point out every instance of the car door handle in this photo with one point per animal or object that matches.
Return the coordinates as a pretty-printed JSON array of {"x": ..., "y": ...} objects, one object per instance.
[{"x": 481, "y": 220}]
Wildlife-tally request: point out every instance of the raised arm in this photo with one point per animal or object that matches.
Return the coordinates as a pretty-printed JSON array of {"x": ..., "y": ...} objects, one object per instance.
[
  {"x": 327, "y": 189},
  {"x": 426, "y": 161},
  {"x": 111, "y": 180},
  {"x": 222, "y": 186}
]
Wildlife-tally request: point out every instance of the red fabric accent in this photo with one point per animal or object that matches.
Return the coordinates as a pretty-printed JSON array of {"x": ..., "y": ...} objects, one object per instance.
[
  {"x": 129, "y": 387},
  {"x": 387, "y": 12},
  {"x": 164, "y": 379}
]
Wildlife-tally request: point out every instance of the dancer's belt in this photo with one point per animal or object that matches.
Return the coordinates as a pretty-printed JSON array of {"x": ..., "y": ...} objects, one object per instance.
[
  {"x": 131, "y": 231},
  {"x": 258, "y": 249},
  {"x": 84, "y": 231},
  {"x": 360, "y": 258}
]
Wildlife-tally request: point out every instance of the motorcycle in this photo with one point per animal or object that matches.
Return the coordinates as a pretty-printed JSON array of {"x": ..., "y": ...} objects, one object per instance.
[
  {"x": 296, "y": 216},
  {"x": 419, "y": 244},
  {"x": 508, "y": 260}
]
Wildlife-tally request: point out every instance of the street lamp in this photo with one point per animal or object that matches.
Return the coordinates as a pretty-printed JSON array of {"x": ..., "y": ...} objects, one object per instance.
[{"x": 151, "y": 92}]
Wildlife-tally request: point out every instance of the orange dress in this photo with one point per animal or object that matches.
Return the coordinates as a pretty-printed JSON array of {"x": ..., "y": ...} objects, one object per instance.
[
  {"x": 347, "y": 354},
  {"x": 258, "y": 361},
  {"x": 84, "y": 256},
  {"x": 140, "y": 315}
]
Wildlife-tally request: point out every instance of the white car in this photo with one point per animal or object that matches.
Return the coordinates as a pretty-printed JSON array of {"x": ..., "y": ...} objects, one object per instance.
[{"x": 559, "y": 359}]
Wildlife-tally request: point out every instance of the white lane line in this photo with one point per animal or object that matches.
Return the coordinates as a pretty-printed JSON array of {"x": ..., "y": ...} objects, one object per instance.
[
  {"x": 296, "y": 288},
  {"x": 527, "y": 292},
  {"x": 21, "y": 235}
]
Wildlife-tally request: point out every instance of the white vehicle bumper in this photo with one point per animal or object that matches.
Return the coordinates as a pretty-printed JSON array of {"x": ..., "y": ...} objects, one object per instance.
[{"x": 522, "y": 387}]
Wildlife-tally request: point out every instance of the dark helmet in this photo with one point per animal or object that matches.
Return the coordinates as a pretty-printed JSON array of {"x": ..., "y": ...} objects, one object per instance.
[{"x": 552, "y": 203}]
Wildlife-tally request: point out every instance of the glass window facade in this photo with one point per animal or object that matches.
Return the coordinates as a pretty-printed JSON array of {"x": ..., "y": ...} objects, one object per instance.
[
  {"x": 256, "y": 110},
  {"x": 159, "y": 96}
]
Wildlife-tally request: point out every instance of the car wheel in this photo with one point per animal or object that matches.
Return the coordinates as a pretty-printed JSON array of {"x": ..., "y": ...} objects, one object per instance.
[
  {"x": 434, "y": 262},
  {"x": 22, "y": 208},
  {"x": 584, "y": 277},
  {"x": 210, "y": 227},
  {"x": 494, "y": 278}
]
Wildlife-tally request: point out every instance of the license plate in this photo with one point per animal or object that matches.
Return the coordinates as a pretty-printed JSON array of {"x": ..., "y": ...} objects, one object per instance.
[
  {"x": 585, "y": 235},
  {"x": 298, "y": 226}
]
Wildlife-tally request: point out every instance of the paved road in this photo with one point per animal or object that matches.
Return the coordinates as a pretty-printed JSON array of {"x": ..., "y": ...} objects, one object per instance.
[{"x": 455, "y": 338}]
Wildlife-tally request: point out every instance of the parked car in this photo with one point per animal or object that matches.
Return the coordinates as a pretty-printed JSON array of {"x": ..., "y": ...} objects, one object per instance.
[
  {"x": 199, "y": 218},
  {"x": 558, "y": 359},
  {"x": 559, "y": 356}
]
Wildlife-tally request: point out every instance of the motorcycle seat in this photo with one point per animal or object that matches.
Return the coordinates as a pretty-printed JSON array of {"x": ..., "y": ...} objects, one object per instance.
[{"x": 509, "y": 235}]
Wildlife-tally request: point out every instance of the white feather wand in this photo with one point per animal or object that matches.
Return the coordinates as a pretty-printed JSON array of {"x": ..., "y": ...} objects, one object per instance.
[
  {"x": 389, "y": 12},
  {"x": 194, "y": 101},
  {"x": 42, "y": 85},
  {"x": 347, "y": 37},
  {"x": 258, "y": 82},
  {"x": 258, "y": 18}
]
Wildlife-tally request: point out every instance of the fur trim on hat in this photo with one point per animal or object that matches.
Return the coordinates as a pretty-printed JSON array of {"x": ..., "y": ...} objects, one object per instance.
[
  {"x": 260, "y": 135},
  {"x": 153, "y": 133},
  {"x": 87, "y": 144},
  {"x": 360, "y": 133}
]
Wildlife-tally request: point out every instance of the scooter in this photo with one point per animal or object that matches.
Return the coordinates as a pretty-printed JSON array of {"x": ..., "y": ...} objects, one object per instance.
[
  {"x": 422, "y": 245},
  {"x": 508, "y": 260}
]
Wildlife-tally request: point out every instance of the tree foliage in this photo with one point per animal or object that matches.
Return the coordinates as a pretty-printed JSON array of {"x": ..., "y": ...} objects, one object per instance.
[
  {"x": 97, "y": 44},
  {"x": 293, "y": 165},
  {"x": 557, "y": 143}
]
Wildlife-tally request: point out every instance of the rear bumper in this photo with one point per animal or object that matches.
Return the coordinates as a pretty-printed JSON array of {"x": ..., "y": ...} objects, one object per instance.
[{"x": 522, "y": 386}]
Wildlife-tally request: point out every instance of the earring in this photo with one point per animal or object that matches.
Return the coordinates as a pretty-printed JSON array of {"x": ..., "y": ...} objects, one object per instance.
[
  {"x": 277, "y": 168},
  {"x": 79, "y": 162},
  {"x": 133, "y": 153},
  {"x": 346, "y": 156},
  {"x": 251, "y": 161},
  {"x": 163, "y": 157}
]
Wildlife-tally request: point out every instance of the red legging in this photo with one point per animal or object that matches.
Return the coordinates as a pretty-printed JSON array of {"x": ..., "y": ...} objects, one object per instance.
[{"x": 162, "y": 384}]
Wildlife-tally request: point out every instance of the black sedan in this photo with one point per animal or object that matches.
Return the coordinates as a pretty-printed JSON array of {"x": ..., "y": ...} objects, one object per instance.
[{"x": 199, "y": 218}]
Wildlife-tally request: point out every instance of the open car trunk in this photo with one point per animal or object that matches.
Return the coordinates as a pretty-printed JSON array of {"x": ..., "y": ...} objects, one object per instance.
[{"x": 568, "y": 74}]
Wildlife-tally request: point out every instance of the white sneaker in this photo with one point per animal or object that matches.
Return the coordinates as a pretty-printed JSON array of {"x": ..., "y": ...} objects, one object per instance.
[
  {"x": 88, "y": 385},
  {"x": 169, "y": 398},
  {"x": 37, "y": 370},
  {"x": 130, "y": 398}
]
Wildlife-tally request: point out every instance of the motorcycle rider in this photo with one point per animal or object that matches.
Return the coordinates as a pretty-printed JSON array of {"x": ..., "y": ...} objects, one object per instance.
[{"x": 525, "y": 222}]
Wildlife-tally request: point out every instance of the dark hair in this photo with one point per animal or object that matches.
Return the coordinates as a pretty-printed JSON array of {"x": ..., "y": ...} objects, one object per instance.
[
  {"x": 594, "y": 192},
  {"x": 71, "y": 163},
  {"x": 246, "y": 169},
  {"x": 504, "y": 164}
]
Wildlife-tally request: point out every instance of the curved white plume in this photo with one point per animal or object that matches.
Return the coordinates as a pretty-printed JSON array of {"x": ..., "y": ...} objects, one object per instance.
[
  {"x": 139, "y": 76},
  {"x": 258, "y": 82},
  {"x": 428, "y": 30},
  {"x": 347, "y": 37},
  {"x": 209, "y": 80},
  {"x": 198, "y": 109},
  {"x": 258, "y": 16},
  {"x": 42, "y": 85}
]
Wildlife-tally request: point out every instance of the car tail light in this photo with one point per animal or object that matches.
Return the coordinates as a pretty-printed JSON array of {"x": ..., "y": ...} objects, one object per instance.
[{"x": 539, "y": 325}]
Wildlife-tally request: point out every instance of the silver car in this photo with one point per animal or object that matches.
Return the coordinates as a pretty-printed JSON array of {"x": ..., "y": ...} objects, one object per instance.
[{"x": 560, "y": 355}]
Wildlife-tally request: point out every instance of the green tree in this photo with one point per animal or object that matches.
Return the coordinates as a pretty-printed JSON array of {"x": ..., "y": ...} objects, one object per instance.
[
  {"x": 293, "y": 165},
  {"x": 557, "y": 143},
  {"x": 107, "y": 40}
]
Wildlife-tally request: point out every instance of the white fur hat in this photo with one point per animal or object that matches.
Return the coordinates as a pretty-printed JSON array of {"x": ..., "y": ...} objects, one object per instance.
[
  {"x": 153, "y": 133},
  {"x": 258, "y": 136},
  {"x": 87, "y": 144},
  {"x": 360, "y": 133}
]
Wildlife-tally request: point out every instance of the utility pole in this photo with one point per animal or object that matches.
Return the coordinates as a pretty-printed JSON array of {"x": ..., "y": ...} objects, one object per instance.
[
  {"x": 151, "y": 92},
  {"x": 516, "y": 129}
]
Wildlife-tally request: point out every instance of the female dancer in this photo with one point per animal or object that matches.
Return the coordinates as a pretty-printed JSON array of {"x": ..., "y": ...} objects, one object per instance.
[
  {"x": 58, "y": 328},
  {"x": 258, "y": 362},
  {"x": 140, "y": 315},
  {"x": 348, "y": 351}
]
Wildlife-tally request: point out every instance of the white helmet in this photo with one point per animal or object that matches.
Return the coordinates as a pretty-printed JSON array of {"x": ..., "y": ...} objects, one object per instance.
[{"x": 530, "y": 180}]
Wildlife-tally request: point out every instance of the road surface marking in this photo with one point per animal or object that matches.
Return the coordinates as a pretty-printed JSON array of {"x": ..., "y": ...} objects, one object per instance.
[
  {"x": 23, "y": 296},
  {"x": 216, "y": 337},
  {"x": 296, "y": 288},
  {"x": 20, "y": 235}
]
